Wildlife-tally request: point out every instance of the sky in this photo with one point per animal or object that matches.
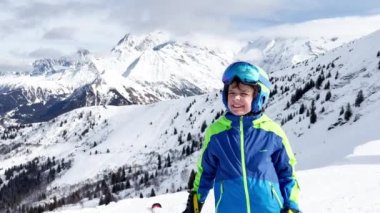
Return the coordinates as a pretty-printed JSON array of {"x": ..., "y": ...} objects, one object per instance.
[{"x": 33, "y": 29}]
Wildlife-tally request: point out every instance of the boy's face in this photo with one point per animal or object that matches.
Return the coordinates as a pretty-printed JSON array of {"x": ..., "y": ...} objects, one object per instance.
[{"x": 240, "y": 98}]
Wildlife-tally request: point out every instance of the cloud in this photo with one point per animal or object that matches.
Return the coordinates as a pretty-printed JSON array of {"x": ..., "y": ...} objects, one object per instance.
[
  {"x": 8, "y": 65},
  {"x": 254, "y": 56},
  {"x": 36, "y": 26},
  {"x": 351, "y": 27},
  {"x": 45, "y": 53},
  {"x": 60, "y": 33},
  {"x": 216, "y": 16}
]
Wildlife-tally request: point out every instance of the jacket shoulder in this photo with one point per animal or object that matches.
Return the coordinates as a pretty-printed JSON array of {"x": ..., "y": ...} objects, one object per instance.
[
  {"x": 267, "y": 124},
  {"x": 218, "y": 126}
]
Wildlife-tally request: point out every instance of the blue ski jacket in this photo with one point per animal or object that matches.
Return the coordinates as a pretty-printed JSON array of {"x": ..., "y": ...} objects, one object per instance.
[{"x": 250, "y": 164}]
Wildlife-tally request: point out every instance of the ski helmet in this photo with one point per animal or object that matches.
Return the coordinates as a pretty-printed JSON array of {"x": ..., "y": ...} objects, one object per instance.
[
  {"x": 156, "y": 205},
  {"x": 251, "y": 75}
]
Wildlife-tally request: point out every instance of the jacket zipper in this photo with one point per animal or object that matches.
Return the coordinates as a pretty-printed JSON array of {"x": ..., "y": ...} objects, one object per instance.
[
  {"x": 276, "y": 196},
  {"x": 248, "y": 202},
  {"x": 220, "y": 197}
]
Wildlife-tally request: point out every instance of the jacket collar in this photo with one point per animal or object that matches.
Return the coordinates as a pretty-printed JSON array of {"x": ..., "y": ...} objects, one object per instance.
[{"x": 247, "y": 119}]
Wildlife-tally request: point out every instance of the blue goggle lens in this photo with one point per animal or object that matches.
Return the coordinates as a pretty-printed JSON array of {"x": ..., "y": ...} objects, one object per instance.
[{"x": 245, "y": 72}]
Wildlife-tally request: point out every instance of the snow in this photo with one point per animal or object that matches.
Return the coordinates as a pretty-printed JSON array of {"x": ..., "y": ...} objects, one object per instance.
[
  {"x": 351, "y": 186},
  {"x": 338, "y": 169}
]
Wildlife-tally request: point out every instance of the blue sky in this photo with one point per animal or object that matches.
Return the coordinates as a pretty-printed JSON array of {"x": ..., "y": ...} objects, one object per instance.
[{"x": 32, "y": 29}]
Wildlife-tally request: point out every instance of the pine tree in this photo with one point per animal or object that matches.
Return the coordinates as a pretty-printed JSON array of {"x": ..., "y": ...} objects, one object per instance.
[
  {"x": 106, "y": 198},
  {"x": 204, "y": 126},
  {"x": 189, "y": 137},
  {"x": 302, "y": 109},
  {"x": 341, "y": 111},
  {"x": 159, "y": 162},
  {"x": 319, "y": 81},
  {"x": 168, "y": 162},
  {"x": 378, "y": 54},
  {"x": 146, "y": 177},
  {"x": 191, "y": 179},
  {"x": 180, "y": 139},
  {"x": 359, "y": 98},
  {"x": 327, "y": 85},
  {"x": 128, "y": 184},
  {"x": 328, "y": 96},
  {"x": 336, "y": 75},
  {"x": 152, "y": 193},
  {"x": 348, "y": 113},
  {"x": 313, "y": 115}
]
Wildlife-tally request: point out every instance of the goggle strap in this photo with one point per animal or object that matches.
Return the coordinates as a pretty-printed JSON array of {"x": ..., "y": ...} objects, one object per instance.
[{"x": 265, "y": 81}]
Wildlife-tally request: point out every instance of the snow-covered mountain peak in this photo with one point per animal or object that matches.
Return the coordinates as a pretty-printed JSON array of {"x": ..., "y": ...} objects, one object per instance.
[
  {"x": 278, "y": 52},
  {"x": 155, "y": 146},
  {"x": 131, "y": 43},
  {"x": 51, "y": 66}
]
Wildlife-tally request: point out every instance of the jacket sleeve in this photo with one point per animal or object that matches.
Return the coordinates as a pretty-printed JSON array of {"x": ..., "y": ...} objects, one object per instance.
[
  {"x": 284, "y": 162},
  {"x": 206, "y": 170}
]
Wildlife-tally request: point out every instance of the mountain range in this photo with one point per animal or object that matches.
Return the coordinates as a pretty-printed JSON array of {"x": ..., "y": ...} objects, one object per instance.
[{"x": 130, "y": 124}]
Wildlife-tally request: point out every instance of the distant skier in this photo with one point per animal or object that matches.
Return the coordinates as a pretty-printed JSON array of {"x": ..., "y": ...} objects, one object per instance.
[{"x": 246, "y": 156}]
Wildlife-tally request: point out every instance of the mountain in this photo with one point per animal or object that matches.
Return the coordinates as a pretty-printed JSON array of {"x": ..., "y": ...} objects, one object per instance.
[
  {"x": 276, "y": 53},
  {"x": 278, "y": 47},
  {"x": 146, "y": 69},
  {"x": 97, "y": 154},
  {"x": 139, "y": 70}
]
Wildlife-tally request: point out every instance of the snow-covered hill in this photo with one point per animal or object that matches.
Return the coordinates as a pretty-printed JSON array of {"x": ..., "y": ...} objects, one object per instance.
[
  {"x": 282, "y": 46},
  {"x": 341, "y": 74},
  {"x": 322, "y": 189},
  {"x": 96, "y": 152},
  {"x": 333, "y": 147}
]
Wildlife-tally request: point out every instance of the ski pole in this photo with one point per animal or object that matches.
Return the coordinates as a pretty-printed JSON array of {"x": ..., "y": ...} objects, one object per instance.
[{"x": 195, "y": 203}]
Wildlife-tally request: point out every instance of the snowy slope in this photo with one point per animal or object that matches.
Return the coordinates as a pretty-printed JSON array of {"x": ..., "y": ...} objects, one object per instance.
[
  {"x": 357, "y": 68},
  {"x": 320, "y": 150},
  {"x": 282, "y": 46},
  {"x": 100, "y": 140},
  {"x": 348, "y": 187}
]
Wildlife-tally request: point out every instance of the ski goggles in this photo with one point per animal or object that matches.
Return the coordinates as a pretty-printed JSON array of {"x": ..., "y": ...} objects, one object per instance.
[{"x": 247, "y": 74}]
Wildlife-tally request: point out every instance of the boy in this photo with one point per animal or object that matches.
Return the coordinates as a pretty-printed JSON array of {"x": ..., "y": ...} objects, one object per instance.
[{"x": 246, "y": 157}]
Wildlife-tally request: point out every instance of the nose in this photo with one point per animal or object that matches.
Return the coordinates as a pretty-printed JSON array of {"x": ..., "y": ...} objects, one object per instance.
[{"x": 237, "y": 97}]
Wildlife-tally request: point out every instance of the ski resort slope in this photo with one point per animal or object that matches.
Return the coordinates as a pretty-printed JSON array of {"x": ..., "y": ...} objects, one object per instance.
[{"x": 348, "y": 186}]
